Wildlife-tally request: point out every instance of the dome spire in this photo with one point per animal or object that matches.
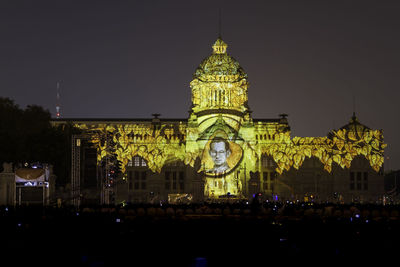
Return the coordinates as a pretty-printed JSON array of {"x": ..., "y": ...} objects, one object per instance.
[
  {"x": 219, "y": 24},
  {"x": 354, "y": 117},
  {"x": 219, "y": 47}
]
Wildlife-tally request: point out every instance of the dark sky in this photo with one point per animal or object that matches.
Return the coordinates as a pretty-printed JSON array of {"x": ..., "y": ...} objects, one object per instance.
[{"x": 309, "y": 59}]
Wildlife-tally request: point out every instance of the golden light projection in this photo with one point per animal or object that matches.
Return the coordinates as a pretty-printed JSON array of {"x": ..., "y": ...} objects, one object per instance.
[
  {"x": 156, "y": 146},
  {"x": 341, "y": 149},
  {"x": 222, "y": 136},
  {"x": 221, "y": 150},
  {"x": 219, "y": 82}
]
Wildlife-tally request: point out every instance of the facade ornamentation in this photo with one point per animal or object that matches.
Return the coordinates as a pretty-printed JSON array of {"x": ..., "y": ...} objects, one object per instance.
[{"x": 220, "y": 127}]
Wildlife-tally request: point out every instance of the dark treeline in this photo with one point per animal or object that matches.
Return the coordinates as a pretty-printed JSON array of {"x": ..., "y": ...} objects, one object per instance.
[
  {"x": 26, "y": 135},
  {"x": 254, "y": 234}
]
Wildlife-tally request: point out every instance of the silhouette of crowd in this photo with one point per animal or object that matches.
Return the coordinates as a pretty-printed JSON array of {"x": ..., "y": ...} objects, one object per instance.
[{"x": 208, "y": 234}]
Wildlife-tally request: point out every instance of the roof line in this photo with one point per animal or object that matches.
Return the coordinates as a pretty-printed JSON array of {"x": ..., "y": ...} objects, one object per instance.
[{"x": 117, "y": 119}]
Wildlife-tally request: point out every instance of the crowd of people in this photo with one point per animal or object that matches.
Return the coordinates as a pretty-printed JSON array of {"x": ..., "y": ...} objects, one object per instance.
[{"x": 213, "y": 234}]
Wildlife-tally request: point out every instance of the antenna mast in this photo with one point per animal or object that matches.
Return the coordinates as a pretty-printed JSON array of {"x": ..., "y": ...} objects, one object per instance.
[
  {"x": 219, "y": 23},
  {"x": 58, "y": 114}
]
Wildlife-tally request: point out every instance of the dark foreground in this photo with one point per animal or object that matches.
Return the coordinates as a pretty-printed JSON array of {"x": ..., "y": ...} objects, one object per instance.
[{"x": 200, "y": 235}]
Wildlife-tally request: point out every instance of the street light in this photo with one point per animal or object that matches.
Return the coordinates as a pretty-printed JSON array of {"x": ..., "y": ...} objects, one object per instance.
[{"x": 245, "y": 184}]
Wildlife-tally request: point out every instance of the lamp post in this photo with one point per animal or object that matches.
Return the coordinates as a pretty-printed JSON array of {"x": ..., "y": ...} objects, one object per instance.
[
  {"x": 237, "y": 182},
  {"x": 204, "y": 188},
  {"x": 245, "y": 183},
  {"x": 244, "y": 190}
]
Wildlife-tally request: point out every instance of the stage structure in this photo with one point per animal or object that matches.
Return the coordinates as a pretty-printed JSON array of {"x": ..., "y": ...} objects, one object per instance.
[
  {"x": 224, "y": 151},
  {"x": 32, "y": 185}
]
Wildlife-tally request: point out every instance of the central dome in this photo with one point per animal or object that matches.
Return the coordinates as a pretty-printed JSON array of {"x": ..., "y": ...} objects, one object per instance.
[
  {"x": 219, "y": 66},
  {"x": 219, "y": 84}
]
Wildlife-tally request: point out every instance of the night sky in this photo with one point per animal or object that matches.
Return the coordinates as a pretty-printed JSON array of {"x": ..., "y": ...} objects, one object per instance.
[{"x": 128, "y": 59}]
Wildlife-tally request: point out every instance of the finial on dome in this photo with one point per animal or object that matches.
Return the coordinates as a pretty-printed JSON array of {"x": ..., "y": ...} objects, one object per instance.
[
  {"x": 354, "y": 118},
  {"x": 219, "y": 47}
]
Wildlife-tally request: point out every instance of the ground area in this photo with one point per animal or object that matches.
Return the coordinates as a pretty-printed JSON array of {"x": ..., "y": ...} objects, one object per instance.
[{"x": 236, "y": 234}]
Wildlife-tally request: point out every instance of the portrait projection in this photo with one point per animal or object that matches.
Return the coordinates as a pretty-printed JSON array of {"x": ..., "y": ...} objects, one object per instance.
[{"x": 221, "y": 156}]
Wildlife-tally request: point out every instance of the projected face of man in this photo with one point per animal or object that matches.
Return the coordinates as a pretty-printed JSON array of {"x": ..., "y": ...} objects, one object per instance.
[{"x": 219, "y": 152}]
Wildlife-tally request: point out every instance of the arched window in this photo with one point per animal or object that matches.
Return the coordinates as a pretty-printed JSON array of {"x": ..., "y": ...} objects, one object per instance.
[
  {"x": 264, "y": 161},
  {"x": 139, "y": 162}
]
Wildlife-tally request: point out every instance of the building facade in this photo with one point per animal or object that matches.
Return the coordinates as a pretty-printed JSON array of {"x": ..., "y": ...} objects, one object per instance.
[{"x": 221, "y": 151}]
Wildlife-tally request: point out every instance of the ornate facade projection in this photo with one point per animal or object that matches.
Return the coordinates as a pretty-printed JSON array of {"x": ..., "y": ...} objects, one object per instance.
[{"x": 220, "y": 140}]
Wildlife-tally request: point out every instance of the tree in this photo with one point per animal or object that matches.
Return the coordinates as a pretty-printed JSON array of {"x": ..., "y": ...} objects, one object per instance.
[
  {"x": 10, "y": 130},
  {"x": 26, "y": 135}
]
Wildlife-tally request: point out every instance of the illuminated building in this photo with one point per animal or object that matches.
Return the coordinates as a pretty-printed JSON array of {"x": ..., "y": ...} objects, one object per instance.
[{"x": 160, "y": 157}]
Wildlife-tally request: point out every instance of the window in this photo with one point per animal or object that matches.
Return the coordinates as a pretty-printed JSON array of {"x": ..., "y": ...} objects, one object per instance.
[
  {"x": 264, "y": 161},
  {"x": 136, "y": 180},
  {"x": 272, "y": 164},
  {"x": 272, "y": 176},
  {"x": 144, "y": 180},
  {"x": 265, "y": 180},
  {"x": 130, "y": 185},
  {"x": 174, "y": 180},
  {"x": 181, "y": 181},
  {"x": 358, "y": 180},
  {"x": 136, "y": 161},
  {"x": 139, "y": 180},
  {"x": 352, "y": 181},
  {"x": 167, "y": 180}
]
